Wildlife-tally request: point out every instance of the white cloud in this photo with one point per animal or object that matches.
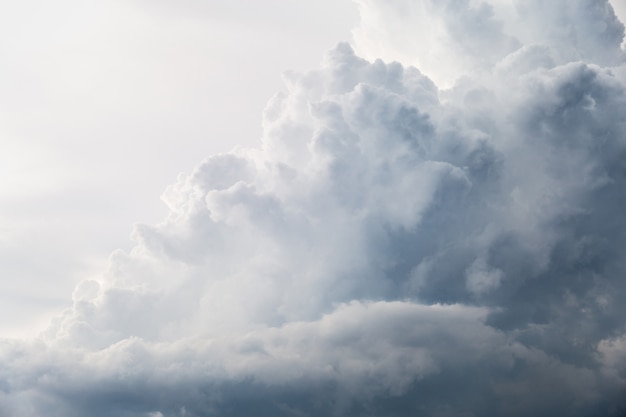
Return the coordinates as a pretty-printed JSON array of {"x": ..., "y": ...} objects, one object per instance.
[
  {"x": 104, "y": 104},
  {"x": 451, "y": 39},
  {"x": 392, "y": 248}
]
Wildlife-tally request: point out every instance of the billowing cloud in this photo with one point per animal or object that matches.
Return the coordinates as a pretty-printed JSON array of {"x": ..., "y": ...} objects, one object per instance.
[
  {"x": 447, "y": 39},
  {"x": 394, "y": 248}
]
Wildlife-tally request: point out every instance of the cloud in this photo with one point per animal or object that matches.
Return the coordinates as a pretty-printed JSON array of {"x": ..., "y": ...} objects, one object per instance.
[
  {"x": 394, "y": 248},
  {"x": 361, "y": 358},
  {"x": 449, "y": 39}
]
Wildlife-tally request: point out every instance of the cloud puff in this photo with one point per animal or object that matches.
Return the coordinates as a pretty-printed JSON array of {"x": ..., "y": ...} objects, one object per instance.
[
  {"x": 451, "y": 38},
  {"x": 393, "y": 249}
]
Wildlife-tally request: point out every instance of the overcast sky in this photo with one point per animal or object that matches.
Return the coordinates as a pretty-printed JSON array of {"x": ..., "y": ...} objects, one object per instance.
[{"x": 421, "y": 216}]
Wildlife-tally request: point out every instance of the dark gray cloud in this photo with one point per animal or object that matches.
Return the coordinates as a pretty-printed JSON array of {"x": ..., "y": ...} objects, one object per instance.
[{"x": 393, "y": 249}]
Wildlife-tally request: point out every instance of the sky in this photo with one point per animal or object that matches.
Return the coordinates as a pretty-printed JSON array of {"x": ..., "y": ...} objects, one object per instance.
[{"x": 421, "y": 216}]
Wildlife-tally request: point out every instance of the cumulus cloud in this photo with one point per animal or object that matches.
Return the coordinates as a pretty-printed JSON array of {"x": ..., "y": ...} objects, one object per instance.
[
  {"x": 448, "y": 39},
  {"x": 398, "y": 246}
]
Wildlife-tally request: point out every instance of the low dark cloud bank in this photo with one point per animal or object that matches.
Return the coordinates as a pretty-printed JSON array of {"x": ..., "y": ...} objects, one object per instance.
[{"x": 393, "y": 249}]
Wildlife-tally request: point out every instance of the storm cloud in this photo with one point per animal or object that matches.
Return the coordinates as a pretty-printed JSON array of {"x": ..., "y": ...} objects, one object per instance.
[{"x": 437, "y": 243}]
